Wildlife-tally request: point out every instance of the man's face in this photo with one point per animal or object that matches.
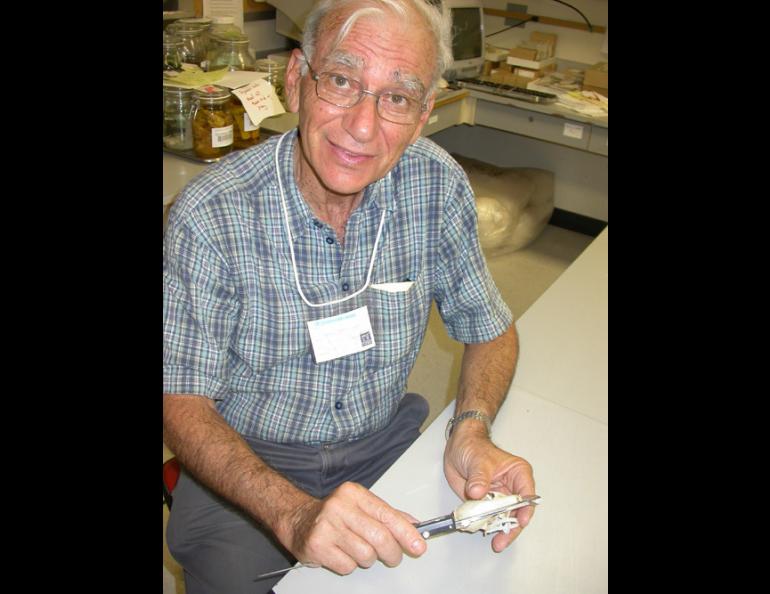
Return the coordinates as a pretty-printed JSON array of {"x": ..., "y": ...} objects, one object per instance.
[{"x": 343, "y": 150}]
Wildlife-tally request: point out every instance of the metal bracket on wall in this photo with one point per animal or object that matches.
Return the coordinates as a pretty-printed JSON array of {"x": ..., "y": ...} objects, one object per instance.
[{"x": 514, "y": 8}]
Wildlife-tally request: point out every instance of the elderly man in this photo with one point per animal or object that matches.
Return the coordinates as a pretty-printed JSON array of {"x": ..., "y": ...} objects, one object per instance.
[{"x": 298, "y": 281}]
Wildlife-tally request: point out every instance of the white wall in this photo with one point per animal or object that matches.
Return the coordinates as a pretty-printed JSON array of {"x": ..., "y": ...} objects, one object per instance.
[
  {"x": 573, "y": 45},
  {"x": 187, "y": 5},
  {"x": 262, "y": 35}
]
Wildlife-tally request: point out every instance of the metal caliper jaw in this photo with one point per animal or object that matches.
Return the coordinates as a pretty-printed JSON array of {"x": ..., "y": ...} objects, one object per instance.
[{"x": 490, "y": 514}]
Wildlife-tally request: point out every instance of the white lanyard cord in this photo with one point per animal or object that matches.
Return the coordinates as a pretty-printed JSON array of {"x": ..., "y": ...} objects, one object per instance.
[{"x": 291, "y": 240}]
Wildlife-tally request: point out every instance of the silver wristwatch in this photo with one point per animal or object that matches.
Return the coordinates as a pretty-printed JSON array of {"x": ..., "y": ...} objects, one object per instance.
[{"x": 468, "y": 414}]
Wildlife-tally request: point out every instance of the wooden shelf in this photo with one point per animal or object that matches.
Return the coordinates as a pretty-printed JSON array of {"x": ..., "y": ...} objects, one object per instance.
[
  {"x": 249, "y": 6},
  {"x": 524, "y": 16}
]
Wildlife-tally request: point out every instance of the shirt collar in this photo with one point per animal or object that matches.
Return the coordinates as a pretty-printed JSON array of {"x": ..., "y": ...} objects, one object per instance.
[{"x": 299, "y": 213}]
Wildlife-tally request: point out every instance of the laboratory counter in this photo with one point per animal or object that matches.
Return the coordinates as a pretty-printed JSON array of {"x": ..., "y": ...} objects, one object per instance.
[{"x": 554, "y": 416}]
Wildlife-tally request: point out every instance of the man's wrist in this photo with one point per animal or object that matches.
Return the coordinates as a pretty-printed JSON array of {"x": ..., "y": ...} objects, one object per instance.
[{"x": 464, "y": 416}]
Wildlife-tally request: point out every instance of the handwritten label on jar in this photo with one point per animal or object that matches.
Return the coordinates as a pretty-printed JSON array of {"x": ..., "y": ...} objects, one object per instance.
[
  {"x": 222, "y": 136},
  {"x": 259, "y": 100}
]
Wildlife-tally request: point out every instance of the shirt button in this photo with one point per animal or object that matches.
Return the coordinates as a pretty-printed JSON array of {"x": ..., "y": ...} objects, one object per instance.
[
  {"x": 338, "y": 405},
  {"x": 345, "y": 286},
  {"x": 330, "y": 240},
  {"x": 318, "y": 224}
]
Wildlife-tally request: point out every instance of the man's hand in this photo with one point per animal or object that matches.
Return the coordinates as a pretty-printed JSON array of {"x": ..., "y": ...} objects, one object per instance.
[
  {"x": 350, "y": 528},
  {"x": 473, "y": 466}
]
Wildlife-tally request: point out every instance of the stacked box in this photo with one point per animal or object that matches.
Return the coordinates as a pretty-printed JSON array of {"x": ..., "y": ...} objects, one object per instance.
[
  {"x": 532, "y": 59},
  {"x": 597, "y": 78}
]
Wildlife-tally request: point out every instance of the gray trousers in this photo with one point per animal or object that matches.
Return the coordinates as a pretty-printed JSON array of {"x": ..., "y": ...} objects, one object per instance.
[{"x": 222, "y": 550}]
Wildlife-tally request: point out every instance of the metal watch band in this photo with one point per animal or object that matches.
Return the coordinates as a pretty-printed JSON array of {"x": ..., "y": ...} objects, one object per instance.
[{"x": 468, "y": 414}]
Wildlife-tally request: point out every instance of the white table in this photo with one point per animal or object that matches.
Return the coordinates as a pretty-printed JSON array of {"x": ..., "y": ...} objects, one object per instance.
[
  {"x": 555, "y": 416},
  {"x": 563, "y": 337}
]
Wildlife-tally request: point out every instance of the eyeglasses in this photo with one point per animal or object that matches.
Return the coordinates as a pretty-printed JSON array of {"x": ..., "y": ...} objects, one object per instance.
[{"x": 342, "y": 91}]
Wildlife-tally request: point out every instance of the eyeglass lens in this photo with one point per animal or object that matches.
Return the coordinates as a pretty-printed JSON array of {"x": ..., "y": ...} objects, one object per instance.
[{"x": 345, "y": 92}]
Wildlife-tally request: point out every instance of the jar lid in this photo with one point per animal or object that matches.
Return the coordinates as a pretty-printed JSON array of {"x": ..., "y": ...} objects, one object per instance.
[
  {"x": 212, "y": 93},
  {"x": 177, "y": 91},
  {"x": 237, "y": 39},
  {"x": 191, "y": 25},
  {"x": 224, "y": 20},
  {"x": 187, "y": 33},
  {"x": 229, "y": 36},
  {"x": 195, "y": 21},
  {"x": 265, "y": 65}
]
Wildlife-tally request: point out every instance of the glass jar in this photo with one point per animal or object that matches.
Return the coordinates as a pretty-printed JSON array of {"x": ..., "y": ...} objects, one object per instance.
[
  {"x": 276, "y": 71},
  {"x": 178, "y": 107},
  {"x": 231, "y": 53},
  {"x": 224, "y": 27},
  {"x": 193, "y": 45},
  {"x": 172, "y": 53},
  {"x": 202, "y": 24},
  {"x": 172, "y": 27},
  {"x": 245, "y": 133},
  {"x": 212, "y": 122}
]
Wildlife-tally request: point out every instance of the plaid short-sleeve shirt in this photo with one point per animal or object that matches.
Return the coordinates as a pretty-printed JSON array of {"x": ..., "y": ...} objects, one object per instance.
[{"x": 235, "y": 326}]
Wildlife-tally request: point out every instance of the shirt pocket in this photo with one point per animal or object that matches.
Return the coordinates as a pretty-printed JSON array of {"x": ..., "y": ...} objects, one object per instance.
[{"x": 398, "y": 321}]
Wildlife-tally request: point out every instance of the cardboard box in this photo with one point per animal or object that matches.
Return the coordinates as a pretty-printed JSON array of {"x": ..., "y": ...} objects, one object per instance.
[
  {"x": 517, "y": 80},
  {"x": 498, "y": 76},
  {"x": 546, "y": 38},
  {"x": 527, "y": 73},
  {"x": 597, "y": 76},
  {"x": 549, "y": 64},
  {"x": 600, "y": 90},
  {"x": 523, "y": 52},
  {"x": 497, "y": 54}
]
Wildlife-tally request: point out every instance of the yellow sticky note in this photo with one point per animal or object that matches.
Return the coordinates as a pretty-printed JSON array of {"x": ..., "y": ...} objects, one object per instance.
[
  {"x": 259, "y": 100},
  {"x": 194, "y": 78}
]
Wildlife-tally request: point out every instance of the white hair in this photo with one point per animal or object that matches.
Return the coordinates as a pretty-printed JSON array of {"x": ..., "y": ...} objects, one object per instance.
[{"x": 438, "y": 21}]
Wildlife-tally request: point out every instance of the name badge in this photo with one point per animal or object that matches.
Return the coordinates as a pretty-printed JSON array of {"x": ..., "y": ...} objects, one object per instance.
[{"x": 341, "y": 335}]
